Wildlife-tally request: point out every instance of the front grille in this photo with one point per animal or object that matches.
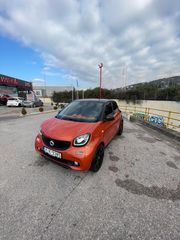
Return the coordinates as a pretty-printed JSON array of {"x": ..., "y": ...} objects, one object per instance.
[{"x": 58, "y": 144}]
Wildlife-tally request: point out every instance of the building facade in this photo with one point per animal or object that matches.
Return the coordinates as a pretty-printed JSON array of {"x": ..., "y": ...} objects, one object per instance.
[
  {"x": 47, "y": 91},
  {"x": 13, "y": 86}
]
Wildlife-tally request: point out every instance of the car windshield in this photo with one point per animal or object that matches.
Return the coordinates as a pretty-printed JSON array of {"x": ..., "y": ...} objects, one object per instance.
[{"x": 82, "y": 111}]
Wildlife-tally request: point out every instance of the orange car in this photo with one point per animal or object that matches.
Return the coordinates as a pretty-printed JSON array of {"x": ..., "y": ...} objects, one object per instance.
[{"x": 78, "y": 134}]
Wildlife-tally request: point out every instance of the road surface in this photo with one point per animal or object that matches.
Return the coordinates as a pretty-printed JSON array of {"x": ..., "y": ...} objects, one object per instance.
[{"x": 135, "y": 195}]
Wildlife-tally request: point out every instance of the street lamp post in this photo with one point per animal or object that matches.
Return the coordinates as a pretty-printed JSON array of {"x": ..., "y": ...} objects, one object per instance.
[
  {"x": 77, "y": 93},
  {"x": 100, "y": 79},
  {"x": 72, "y": 93}
]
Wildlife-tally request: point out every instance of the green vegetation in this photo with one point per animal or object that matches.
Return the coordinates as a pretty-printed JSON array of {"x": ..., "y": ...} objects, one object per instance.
[
  {"x": 141, "y": 92},
  {"x": 162, "y": 89},
  {"x": 150, "y": 92},
  {"x": 23, "y": 111},
  {"x": 41, "y": 109},
  {"x": 59, "y": 97}
]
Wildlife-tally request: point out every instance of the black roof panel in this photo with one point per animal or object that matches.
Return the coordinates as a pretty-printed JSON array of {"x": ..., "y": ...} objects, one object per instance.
[{"x": 94, "y": 99}]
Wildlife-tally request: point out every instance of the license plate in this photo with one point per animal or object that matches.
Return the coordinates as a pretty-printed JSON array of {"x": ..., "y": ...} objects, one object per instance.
[{"x": 52, "y": 153}]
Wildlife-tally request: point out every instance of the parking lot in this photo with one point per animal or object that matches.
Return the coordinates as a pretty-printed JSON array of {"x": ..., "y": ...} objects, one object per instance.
[{"x": 135, "y": 195}]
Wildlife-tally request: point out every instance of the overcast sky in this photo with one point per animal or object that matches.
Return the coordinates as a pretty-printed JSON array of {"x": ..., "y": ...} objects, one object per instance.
[{"x": 136, "y": 40}]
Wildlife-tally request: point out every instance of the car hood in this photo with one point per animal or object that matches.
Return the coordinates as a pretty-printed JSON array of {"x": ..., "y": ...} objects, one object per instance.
[{"x": 66, "y": 130}]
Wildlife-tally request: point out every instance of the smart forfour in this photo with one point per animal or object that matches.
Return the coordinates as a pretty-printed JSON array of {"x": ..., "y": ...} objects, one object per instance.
[{"x": 77, "y": 136}]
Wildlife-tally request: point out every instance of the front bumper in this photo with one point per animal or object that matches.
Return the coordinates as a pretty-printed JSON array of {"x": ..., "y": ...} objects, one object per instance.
[{"x": 77, "y": 158}]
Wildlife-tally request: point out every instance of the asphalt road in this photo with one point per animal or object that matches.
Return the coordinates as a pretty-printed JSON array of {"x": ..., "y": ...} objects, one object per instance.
[{"x": 135, "y": 195}]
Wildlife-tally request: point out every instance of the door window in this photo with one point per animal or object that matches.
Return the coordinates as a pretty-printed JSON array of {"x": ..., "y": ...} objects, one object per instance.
[
  {"x": 115, "y": 107},
  {"x": 108, "y": 109}
]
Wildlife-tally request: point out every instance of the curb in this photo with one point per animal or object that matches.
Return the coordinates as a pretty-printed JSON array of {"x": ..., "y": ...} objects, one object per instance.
[{"x": 37, "y": 113}]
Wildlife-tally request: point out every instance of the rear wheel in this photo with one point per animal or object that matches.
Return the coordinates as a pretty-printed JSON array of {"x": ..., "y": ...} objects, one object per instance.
[
  {"x": 98, "y": 159},
  {"x": 120, "y": 131}
]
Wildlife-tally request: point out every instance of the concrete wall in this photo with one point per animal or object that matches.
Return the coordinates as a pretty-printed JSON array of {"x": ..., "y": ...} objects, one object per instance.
[
  {"x": 165, "y": 109},
  {"x": 46, "y": 100},
  {"x": 164, "y": 105}
]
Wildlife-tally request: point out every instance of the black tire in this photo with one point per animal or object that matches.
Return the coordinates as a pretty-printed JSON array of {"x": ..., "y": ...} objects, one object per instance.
[
  {"x": 19, "y": 105},
  {"x": 120, "y": 131},
  {"x": 98, "y": 159}
]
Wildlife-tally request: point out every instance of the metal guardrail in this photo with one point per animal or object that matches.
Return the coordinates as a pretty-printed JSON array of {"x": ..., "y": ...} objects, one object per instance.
[{"x": 170, "y": 118}]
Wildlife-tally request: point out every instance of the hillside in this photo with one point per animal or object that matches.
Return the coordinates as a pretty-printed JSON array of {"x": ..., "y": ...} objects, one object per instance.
[{"x": 159, "y": 83}]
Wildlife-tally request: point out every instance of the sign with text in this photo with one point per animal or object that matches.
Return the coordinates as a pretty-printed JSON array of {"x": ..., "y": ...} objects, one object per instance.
[{"x": 10, "y": 81}]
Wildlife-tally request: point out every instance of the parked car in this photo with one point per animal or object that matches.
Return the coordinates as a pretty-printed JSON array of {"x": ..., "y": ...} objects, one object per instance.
[
  {"x": 4, "y": 98},
  {"x": 15, "y": 102},
  {"x": 29, "y": 103},
  {"x": 77, "y": 136}
]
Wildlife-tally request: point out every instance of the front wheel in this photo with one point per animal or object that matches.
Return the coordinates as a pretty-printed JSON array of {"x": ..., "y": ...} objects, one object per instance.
[
  {"x": 98, "y": 159},
  {"x": 120, "y": 131}
]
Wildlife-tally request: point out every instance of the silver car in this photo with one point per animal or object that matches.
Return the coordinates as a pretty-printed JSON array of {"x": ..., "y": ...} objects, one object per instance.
[{"x": 36, "y": 103}]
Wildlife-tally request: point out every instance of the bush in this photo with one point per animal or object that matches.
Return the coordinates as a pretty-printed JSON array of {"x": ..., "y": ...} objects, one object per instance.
[
  {"x": 52, "y": 104},
  {"x": 55, "y": 107},
  {"x": 23, "y": 111},
  {"x": 61, "y": 105},
  {"x": 41, "y": 109}
]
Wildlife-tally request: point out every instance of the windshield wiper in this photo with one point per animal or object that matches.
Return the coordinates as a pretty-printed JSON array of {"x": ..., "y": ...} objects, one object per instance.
[{"x": 67, "y": 118}]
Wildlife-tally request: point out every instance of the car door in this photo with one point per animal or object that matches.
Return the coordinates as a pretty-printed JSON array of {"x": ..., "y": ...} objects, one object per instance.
[
  {"x": 108, "y": 126},
  {"x": 117, "y": 116}
]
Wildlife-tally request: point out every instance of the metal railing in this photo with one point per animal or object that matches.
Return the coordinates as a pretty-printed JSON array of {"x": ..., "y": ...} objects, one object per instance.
[{"x": 170, "y": 118}]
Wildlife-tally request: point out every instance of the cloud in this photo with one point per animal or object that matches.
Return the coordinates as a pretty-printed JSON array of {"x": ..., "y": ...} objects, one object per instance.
[
  {"x": 76, "y": 35},
  {"x": 38, "y": 81}
]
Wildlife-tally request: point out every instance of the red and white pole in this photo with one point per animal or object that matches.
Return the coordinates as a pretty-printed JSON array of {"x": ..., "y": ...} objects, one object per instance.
[{"x": 100, "y": 78}]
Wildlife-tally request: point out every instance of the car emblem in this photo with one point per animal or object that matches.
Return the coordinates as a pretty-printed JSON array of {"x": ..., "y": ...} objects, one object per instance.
[{"x": 51, "y": 143}]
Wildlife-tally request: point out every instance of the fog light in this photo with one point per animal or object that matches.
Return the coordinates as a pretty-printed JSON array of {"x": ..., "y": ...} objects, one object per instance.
[
  {"x": 38, "y": 139},
  {"x": 76, "y": 163},
  {"x": 39, "y": 148}
]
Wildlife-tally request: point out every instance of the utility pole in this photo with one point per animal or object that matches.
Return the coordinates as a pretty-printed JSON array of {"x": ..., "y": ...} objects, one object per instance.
[
  {"x": 72, "y": 92},
  {"x": 100, "y": 80},
  {"x": 45, "y": 85},
  {"x": 125, "y": 75},
  {"x": 77, "y": 93}
]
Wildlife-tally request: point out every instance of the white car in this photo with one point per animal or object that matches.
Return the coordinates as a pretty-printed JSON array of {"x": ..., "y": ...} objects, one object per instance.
[{"x": 15, "y": 102}]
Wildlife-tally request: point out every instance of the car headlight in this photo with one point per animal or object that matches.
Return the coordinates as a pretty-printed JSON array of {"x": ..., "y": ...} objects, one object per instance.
[{"x": 81, "y": 140}]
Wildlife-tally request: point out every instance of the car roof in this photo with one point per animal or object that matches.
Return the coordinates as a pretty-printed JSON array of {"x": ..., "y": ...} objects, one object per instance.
[{"x": 94, "y": 100}]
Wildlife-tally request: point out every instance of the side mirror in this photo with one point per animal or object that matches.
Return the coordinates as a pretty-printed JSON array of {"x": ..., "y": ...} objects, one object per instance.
[{"x": 109, "y": 117}]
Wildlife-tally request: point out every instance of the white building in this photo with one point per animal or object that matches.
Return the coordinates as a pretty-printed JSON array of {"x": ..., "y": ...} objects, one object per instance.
[{"x": 47, "y": 91}]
